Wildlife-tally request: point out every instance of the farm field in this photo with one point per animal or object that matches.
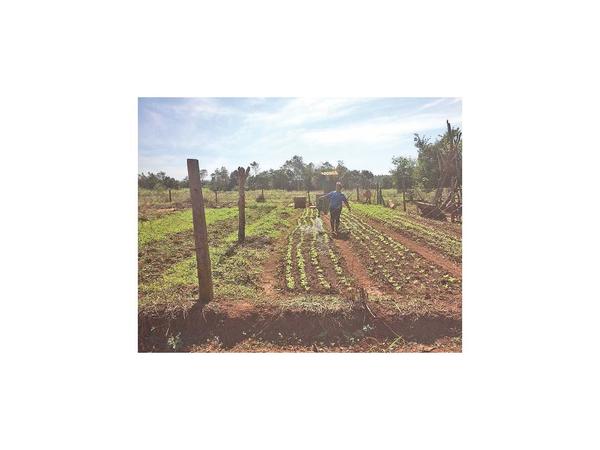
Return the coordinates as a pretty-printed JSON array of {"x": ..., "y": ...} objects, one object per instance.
[{"x": 392, "y": 284}]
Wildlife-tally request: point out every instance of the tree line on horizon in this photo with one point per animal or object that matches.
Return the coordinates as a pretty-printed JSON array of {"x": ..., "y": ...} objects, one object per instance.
[{"x": 295, "y": 174}]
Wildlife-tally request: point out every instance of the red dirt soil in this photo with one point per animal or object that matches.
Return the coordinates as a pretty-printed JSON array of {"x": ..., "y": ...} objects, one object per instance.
[
  {"x": 355, "y": 267},
  {"x": 269, "y": 275},
  {"x": 436, "y": 258}
]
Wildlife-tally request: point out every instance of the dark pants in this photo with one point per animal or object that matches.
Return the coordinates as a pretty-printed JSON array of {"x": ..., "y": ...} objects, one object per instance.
[{"x": 334, "y": 217}]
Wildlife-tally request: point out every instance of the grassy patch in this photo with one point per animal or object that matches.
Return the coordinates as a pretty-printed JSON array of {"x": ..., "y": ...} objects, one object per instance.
[
  {"x": 157, "y": 229},
  {"x": 235, "y": 267}
]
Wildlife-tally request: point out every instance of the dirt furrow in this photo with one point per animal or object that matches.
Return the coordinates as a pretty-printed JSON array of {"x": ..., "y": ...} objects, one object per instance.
[
  {"x": 354, "y": 265},
  {"x": 270, "y": 273},
  {"x": 426, "y": 252}
]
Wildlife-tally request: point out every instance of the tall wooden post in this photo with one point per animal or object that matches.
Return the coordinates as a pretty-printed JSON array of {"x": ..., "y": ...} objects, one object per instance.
[
  {"x": 357, "y": 195},
  {"x": 242, "y": 174},
  {"x": 403, "y": 194},
  {"x": 205, "y": 285},
  {"x": 169, "y": 195}
]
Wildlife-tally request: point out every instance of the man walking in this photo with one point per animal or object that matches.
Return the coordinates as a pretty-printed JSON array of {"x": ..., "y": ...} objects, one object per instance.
[{"x": 336, "y": 200}]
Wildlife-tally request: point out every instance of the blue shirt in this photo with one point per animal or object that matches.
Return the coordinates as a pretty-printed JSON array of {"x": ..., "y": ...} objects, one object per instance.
[{"x": 335, "y": 199}]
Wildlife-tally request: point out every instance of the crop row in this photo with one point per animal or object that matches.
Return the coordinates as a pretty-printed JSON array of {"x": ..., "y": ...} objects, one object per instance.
[
  {"x": 395, "y": 265},
  {"x": 385, "y": 254},
  {"x": 311, "y": 263},
  {"x": 449, "y": 245},
  {"x": 337, "y": 267},
  {"x": 289, "y": 260}
]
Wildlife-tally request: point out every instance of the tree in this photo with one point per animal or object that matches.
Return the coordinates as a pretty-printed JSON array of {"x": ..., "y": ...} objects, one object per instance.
[
  {"x": 385, "y": 181},
  {"x": 308, "y": 176},
  {"x": 255, "y": 166},
  {"x": 341, "y": 169},
  {"x": 403, "y": 172},
  {"x": 280, "y": 179},
  {"x": 185, "y": 183},
  {"x": 219, "y": 179},
  {"x": 431, "y": 155},
  {"x": 366, "y": 179},
  {"x": 260, "y": 181},
  {"x": 295, "y": 168},
  {"x": 351, "y": 179},
  {"x": 159, "y": 180},
  {"x": 427, "y": 171}
]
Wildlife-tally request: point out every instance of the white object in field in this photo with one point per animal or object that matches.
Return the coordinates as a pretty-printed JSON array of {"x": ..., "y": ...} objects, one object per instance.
[{"x": 318, "y": 224}]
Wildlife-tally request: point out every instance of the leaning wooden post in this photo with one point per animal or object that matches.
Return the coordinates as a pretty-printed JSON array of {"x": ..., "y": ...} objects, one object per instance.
[
  {"x": 242, "y": 174},
  {"x": 205, "y": 286}
]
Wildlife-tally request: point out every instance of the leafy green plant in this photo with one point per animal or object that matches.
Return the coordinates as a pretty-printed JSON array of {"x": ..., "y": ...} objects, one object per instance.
[
  {"x": 400, "y": 222},
  {"x": 175, "y": 342}
]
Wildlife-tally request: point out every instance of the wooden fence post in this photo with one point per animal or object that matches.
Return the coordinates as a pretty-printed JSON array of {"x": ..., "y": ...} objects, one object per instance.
[
  {"x": 205, "y": 285},
  {"x": 169, "y": 195},
  {"x": 357, "y": 195},
  {"x": 403, "y": 194},
  {"x": 242, "y": 174}
]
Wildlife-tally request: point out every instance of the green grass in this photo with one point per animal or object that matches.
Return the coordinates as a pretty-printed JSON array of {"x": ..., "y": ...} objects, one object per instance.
[
  {"x": 161, "y": 196},
  {"x": 235, "y": 267},
  {"x": 157, "y": 229},
  {"x": 156, "y": 198}
]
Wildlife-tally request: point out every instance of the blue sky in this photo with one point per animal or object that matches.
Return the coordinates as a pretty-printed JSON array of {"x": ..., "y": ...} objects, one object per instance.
[{"x": 363, "y": 132}]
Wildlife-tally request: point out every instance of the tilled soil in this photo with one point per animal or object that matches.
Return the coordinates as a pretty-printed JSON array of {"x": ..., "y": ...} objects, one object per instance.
[
  {"x": 426, "y": 251},
  {"x": 357, "y": 268},
  {"x": 242, "y": 326},
  {"x": 424, "y": 317},
  {"x": 322, "y": 243},
  {"x": 418, "y": 281},
  {"x": 368, "y": 344}
]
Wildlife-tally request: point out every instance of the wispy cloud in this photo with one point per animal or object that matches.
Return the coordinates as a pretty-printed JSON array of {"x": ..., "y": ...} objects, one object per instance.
[
  {"x": 305, "y": 111},
  {"x": 433, "y": 103},
  {"x": 377, "y": 131},
  {"x": 364, "y": 132}
]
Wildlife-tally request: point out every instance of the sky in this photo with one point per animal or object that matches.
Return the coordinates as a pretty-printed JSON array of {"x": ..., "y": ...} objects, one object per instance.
[{"x": 365, "y": 133}]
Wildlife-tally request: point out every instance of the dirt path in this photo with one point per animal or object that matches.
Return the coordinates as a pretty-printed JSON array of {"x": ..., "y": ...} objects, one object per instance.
[
  {"x": 355, "y": 267},
  {"x": 268, "y": 278},
  {"x": 436, "y": 258}
]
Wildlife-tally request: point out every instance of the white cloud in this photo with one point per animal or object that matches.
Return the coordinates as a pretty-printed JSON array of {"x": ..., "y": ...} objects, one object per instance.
[
  {"x": 433, "y": 103},
  {"x": 206, "y": 107},
  {"x": 301, "y": 111},
  {"x": 378, "y": 131},
  {"x": 272, "y": 130}
]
